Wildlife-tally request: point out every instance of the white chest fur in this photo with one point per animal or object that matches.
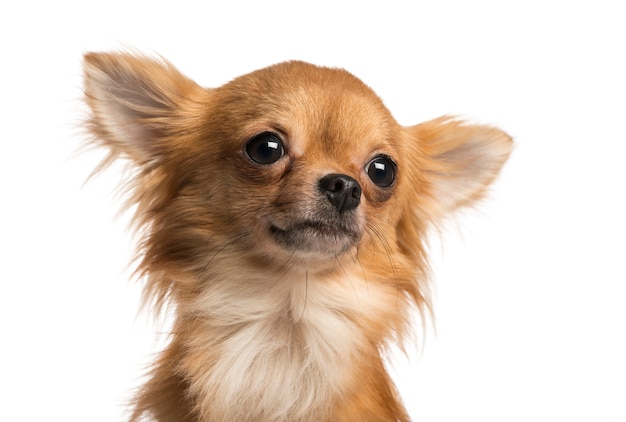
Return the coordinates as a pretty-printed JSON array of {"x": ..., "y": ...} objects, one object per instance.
[{"x": 284, "y": 352}]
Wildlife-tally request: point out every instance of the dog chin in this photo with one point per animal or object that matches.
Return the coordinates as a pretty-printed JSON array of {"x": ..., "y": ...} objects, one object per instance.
[{"x": 313, "y": 238}]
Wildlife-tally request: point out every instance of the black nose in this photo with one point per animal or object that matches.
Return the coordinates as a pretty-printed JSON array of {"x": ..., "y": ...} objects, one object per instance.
[{"x": 342, "y": 191}]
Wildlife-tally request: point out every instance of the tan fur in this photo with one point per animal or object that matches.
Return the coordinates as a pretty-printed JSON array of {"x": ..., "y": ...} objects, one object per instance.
[{"x": 264, "y": 332}]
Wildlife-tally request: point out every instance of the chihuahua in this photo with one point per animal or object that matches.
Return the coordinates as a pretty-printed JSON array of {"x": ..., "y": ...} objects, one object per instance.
[{"x": 282, "y": 217}]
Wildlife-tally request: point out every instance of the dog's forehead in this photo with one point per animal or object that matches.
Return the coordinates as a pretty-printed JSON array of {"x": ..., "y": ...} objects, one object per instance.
[
  {"x": 297, "y": 73},
  {"x": 318, "y": 107}
]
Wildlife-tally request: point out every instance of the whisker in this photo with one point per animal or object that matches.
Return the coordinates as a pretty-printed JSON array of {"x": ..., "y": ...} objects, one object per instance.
[
  {"x": 347, "y": 276},
  {"x": 286, "y": 268},
  {"x": 365, "y": 280},
  {"x": 378, "y": 234},
  {"x": 306, "y": 293},
  {"x": 226, "y": 244},
  {"x": 222, "y": 247}
]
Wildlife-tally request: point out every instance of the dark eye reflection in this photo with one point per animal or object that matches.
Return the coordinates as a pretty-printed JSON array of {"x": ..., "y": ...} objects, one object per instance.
[
  {"x": 382, "y": 171},
  {"x": 265, "y": 148}
]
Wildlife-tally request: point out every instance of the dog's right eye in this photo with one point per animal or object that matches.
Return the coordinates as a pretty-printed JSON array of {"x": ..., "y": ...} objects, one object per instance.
[{"x": 265, "y": 148}]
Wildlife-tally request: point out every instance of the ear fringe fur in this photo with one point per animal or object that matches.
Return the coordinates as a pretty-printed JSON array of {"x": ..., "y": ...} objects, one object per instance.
[
  {"x": 133, "y": 101},
  {"x": 460, "y": 160}
]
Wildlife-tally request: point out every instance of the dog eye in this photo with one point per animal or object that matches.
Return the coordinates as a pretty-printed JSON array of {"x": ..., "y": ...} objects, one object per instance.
[
  {"x": 382, "y": 171},
  {"x": 265, "y": 148}
]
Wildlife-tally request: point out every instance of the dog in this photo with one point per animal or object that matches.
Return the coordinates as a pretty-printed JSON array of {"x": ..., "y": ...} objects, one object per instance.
[{"x": 282, "y": 217}]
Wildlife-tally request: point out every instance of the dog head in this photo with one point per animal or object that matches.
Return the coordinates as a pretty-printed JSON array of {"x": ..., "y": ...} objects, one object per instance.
[{"x": 292, "y": 166}]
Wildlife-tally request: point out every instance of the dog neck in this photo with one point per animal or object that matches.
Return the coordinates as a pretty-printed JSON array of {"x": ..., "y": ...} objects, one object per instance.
[{"x": 281, "y": 350}]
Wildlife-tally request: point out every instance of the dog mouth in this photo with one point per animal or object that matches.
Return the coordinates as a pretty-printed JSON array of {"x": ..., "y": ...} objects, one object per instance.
[{"x": 315, "y": 236}]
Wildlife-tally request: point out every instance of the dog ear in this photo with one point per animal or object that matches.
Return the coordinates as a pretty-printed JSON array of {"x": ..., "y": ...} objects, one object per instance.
[
  {"x": 135, "y": 102},
  {"x": 459, "y": 160}
]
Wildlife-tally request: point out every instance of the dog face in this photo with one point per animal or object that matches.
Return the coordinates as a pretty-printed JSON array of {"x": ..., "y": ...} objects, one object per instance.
[{"x": 308, "y": 167}]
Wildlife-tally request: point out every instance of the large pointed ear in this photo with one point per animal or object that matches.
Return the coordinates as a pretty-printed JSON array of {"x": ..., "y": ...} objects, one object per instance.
[
  {"x": 459, "y": 160},
  {"x": 135, "y": 102}
]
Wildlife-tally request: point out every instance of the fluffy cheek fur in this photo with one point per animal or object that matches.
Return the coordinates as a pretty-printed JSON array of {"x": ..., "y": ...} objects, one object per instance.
[{"x": 263, "y": 332}]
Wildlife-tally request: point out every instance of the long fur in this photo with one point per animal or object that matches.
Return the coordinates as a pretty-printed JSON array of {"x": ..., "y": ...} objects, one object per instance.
[{"x": 263, "y": 332}]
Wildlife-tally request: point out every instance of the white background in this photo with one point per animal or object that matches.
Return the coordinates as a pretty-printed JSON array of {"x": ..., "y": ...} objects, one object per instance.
[{"x": 530, "y": 290}]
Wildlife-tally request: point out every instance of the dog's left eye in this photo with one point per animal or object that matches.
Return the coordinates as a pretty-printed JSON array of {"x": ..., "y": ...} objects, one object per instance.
[
  {"x": 382, "y": 171},
  {"x": 265, "y": 148}
]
